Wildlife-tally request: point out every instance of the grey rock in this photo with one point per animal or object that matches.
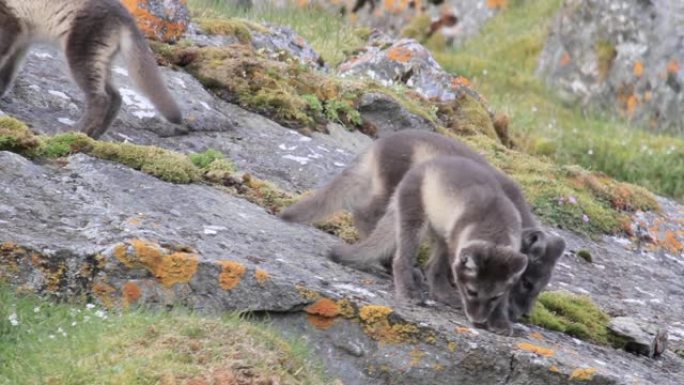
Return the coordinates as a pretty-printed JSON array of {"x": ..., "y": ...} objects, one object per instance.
[
  {"x": 405, "y": 63},
  {"x": 643, "y": 338},
  {"x": 624, "y": 56},
  {"x": 386, "y": 115}
]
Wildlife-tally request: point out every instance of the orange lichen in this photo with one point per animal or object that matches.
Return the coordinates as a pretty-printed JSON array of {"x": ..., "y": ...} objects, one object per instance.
[
  {"x": 261, "y": 276},
  {"x": 417, "y": 356},
  {"x": 632, "y": 104},
  {"x": 673, "y": 66},
  {"x": 537, "y": 336},
  {"x": 231, "y": 274},
  {"x": 554, "y": 369},
  {"x": 399, "y": 54},
  {"x": 671, "y": 243},
  {"x": 497, "y": 4},
  {"x": 463, "y": 330},
  {"x": 582, "y": 374},
  {"x": 648, "y": 95},
  {"x": 542, "y": 351},
  {"x": 319, "y": 322},
  {"x": 460, "y": 81},
  {"x": 638, "y": 69},
  {"x": 155, "y": 27},
  {"x": 169, "y": 268},
  {"x": 105, "y": 293},
  {"x": 565, "y": 59},
  {"x": 324, "y": 307},
  {"x": 131, "y": 293}
]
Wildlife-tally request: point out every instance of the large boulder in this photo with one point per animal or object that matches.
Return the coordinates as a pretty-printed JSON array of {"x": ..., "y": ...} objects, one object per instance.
[{"x": 621, "y": 55}]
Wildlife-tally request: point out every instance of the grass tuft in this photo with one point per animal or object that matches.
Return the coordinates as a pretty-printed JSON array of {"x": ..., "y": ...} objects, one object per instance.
[{"x": 63, "y": 344}]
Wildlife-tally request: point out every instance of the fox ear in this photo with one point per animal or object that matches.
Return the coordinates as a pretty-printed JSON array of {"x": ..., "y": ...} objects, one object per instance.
[
  {"x": 518, "y": 264},
  {"x": 534, "y": 242},
  {"x": 554, "y": 248},
  {"x": 467, "y": 261}
]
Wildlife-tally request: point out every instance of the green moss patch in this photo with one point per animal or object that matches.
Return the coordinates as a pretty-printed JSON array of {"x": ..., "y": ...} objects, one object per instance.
[
  {"x": 15, "y": 136},
  {"x": 574, "y": 315},
  {"x": 239, "y": 28},
  {"x": 569, "y": 197}
]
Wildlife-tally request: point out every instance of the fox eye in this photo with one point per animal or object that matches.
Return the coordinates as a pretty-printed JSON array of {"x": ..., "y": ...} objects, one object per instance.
[
  {"x": 471, "y": 293},
  {"x": 527, "y": 284}
]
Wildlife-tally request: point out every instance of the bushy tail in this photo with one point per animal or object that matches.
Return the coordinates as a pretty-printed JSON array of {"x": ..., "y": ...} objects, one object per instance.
[
  {"x": 373, "y": 252},
  {"x": 143, "y": 69},
  {"x": 341, "y": 193}
]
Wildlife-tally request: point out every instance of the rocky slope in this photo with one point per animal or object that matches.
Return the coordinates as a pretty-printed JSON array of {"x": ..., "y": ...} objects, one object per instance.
[{"x": 82, "y": 226}]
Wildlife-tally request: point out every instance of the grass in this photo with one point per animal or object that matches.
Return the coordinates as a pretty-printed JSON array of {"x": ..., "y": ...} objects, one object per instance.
[
  {"x": 574, "y": 315},
  {"x": 330, "y": 35},
  {"x": 66, "y": 344},
  {"x": 501, "y": 63}
]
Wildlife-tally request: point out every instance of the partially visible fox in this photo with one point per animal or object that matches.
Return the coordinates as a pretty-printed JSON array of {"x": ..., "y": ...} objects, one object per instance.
[
  {"x": 91, "y": 33},
  {"x": 365, "y": 188},
  {"x": 475, "y": 231}
]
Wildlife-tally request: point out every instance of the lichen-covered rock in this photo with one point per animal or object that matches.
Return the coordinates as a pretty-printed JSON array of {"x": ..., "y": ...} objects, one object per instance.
[
  {"x": 163, "y": 20},
  {"x": 406, "y": 62},
  {"x": 624, "y": 55},
  {"x": 277, "y": 40}
]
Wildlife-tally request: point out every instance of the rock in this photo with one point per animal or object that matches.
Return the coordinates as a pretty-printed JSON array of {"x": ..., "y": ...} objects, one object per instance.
[
  {"x": 642, "y": 338},
  {"x": 163, "y": 20},
  {"x": 382, "y": 115},
  {"x": 621, "y": 55},
  {"x": 409, "y": 63}
]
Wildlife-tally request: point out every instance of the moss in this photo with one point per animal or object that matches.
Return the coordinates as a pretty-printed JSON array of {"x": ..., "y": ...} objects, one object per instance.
[
  {"x": 15, "y": 136},
  {"x": 605, "y": 57},
  {"x": 204, "y": 159},
  {"x": 230, "y": 27},
  {"x": 585, "y": 254},
  {"x": 575, "y": 315}
]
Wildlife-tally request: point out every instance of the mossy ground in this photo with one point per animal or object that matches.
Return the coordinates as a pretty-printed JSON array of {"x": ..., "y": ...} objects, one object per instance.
[
  {"x": 574, "y": 315},
  {"x": 65, "y": 344},
  {"x": 501, "y": 63}
]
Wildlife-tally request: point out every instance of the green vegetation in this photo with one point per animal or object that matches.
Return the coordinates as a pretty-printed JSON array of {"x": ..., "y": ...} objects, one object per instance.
[
  {"x": 574, "y": 315},
  {"x": 501, "y": 63},
  {"x": 585, "y": 254},
  {"x": 64, "y": 344},
  {"x": 330, "y": 35}
]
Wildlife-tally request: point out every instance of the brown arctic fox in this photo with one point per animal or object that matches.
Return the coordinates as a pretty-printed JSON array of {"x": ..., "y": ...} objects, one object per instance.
[
  {"x": 475, "y": 231},
  {"x": 91, "y": 33}
]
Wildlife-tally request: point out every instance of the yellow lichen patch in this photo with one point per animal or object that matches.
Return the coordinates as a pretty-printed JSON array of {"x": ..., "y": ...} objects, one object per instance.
[
  {"x": 231, "y": 274},
  {"x": 399, "y": 54},
  {"x": 324, "y": 307},
  {"x": 580, "y": 374},
  {"x": 638, "y": 69},
  {"x": 542, "y": 351},
  {"x": 554, "y": 369},
  {"x": 169, "y": 268},
  {"x": 346, "y": 308},
  {"x": 261, "y": 276},
  {"x": 308, "y": 294},
  {"x": 131, "y": 293},
  {"x": 105, "y": 293},
  {"x": 417, "y": 356},
  {"x": 377, "y": 325},
  {"x": 452, "y": 346}
]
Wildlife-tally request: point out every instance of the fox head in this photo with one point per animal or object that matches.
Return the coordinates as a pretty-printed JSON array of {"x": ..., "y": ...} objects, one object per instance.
[{"x": 485, "y": 274}]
